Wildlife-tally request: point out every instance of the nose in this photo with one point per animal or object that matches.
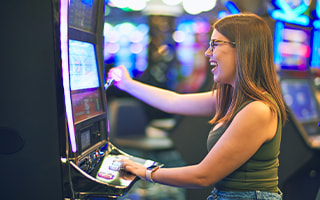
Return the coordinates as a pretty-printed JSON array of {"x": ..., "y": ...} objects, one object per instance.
[{"x": 208, "y": 52}]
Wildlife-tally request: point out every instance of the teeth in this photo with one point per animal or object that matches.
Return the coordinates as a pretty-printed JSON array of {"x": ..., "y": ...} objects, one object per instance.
[{"x": 214, "y": 64}]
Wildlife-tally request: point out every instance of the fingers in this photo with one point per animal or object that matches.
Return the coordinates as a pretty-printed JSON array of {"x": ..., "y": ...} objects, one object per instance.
[
  {"x": 124, "y": 164},
  {"x": 115, "y": 74},
  {"x": 128, "y": 164},
  {"x": 133, "y": 167}
]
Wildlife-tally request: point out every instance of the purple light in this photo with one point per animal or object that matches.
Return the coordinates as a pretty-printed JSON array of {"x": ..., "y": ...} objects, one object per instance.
[{"x": 65, "y": 70}]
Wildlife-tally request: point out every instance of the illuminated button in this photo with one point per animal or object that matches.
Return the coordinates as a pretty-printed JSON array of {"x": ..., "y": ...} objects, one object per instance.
[{"x": 104, "y": 175}]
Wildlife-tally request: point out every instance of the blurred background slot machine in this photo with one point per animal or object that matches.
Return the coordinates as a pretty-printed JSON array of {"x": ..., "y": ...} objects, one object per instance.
[{"x": 295, "y": 56}]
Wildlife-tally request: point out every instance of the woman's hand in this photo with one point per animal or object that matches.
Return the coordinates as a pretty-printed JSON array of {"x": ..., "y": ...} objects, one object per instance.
[
  {"x": 134, "y": 168},
  {"x": 120, "y": 75}
]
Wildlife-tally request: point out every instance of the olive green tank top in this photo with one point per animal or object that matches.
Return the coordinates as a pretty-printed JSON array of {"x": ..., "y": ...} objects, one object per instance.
[{"x": 260, "y": 172}]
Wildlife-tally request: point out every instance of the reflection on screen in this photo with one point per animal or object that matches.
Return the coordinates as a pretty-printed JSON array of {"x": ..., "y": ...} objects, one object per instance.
[
  {"x": 83, "y": 65},
  {"x": 298, "y": 96}
]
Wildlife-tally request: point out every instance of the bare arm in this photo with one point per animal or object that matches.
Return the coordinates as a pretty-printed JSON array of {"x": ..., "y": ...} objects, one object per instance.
[
  {"x": 198, "y": 104},
  {"x": 252, "y": 126}
]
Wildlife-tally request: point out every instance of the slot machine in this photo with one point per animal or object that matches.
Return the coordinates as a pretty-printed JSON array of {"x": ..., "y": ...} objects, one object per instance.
[
  {"x": 54, "y": 141},
  {"x": 91, "y": 163},
  {"x": 299, "y": 150}
]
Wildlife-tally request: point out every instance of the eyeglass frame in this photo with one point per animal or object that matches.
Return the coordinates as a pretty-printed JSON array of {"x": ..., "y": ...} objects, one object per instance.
[{"x": 212, "y": 43}]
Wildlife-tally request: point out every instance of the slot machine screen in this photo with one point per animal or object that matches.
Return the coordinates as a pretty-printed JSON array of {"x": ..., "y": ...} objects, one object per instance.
[
  {"x": 84, "y": 80},
  {"x": 298, "y": 95},
  {"x": 82, "y": 14},
  {"x": 291, "y": 47}
]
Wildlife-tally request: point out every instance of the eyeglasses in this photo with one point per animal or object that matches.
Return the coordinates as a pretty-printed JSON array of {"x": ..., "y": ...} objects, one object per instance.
[{"x": 214, "y": 43}]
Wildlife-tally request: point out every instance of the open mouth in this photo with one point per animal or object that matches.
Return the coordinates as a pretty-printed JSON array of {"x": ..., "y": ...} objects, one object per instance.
[{"x": 213, "y": 64}]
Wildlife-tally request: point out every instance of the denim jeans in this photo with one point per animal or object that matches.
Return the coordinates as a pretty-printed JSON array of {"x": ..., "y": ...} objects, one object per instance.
[{"x": 249, "y": 195}]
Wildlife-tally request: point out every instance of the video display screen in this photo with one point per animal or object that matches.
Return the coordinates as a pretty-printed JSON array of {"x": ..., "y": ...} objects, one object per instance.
[
  {"x": 84, "y": 81},
  {"x": 291, "y": 47},
  {"x": 86, "y": 104},
  {"x": 298, "y": 95},
  {"x": 83, "y": 65},
  {"x": 83, "y": 14}
]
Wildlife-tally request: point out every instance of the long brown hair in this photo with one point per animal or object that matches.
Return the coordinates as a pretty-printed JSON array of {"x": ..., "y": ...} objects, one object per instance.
[{"x": 255, "y": 70}]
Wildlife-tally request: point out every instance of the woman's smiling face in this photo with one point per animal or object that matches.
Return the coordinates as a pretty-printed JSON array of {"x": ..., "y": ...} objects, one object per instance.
[{"x": 222, "y": 58}]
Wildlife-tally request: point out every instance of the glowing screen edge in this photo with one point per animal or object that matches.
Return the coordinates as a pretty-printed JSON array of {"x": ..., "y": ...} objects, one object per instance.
[{"x": 65, "y": 70}]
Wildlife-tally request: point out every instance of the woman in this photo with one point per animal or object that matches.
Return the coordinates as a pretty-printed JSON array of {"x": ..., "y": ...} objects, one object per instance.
[{"x": 247, "y": 109}]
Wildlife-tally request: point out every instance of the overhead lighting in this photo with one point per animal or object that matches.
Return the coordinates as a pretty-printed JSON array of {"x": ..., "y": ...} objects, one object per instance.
[
  {"x": 135, "y": 5},
  {"x": 172, "y": 2},
  {"x": 195, "y": 7},
  {"x": 165, "y": 7}
]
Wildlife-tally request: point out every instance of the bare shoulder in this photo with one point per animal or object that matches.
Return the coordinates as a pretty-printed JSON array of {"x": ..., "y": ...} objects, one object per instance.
[
  {"x": 258, "y": 109},
  {"x": 258, "y": 117}
]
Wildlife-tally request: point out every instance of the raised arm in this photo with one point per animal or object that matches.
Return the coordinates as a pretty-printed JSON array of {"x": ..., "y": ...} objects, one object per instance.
[{"x": 197, "y": 104}]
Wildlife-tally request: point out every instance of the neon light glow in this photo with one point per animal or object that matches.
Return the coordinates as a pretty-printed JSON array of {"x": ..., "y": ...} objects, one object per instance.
[
  {"x": 315, "y": 57},
  {"x": 65, "y": 70},
  {"x": 291, "y": 14},
  {"x": 315, "y": 53},
  {"x": 126, "y": 44},
  {"x": 277, "y": 39},
  {"x": 232, "y": 8},
  {"x": 316, "y": 23}
]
